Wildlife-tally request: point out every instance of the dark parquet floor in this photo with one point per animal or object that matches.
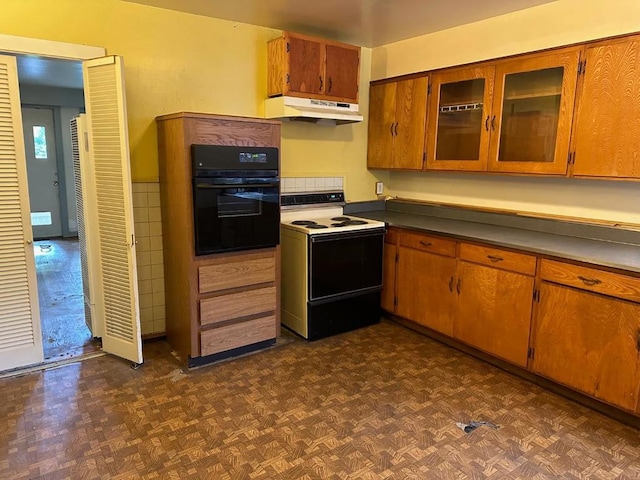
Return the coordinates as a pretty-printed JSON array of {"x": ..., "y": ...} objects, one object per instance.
[
  {"x": 377, "y": 403},
  {"x": 64, "y": 332}
]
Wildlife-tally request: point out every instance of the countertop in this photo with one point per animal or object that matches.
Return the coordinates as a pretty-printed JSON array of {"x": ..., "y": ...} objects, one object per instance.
[{"x": 597, "y": 245}]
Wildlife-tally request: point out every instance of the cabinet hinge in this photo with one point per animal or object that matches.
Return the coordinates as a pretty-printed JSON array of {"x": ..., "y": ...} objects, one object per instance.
[
  {"x": 584, "y": 67},
  {"x": 288, "y": 47},
  {"x": 531, "y": 352}
]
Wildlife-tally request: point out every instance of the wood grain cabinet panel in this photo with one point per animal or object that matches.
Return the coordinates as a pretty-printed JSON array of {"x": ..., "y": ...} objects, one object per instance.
[
  {"x": 237, "y": 305},
  {"x": 428, "y": 243},
  {"x": 493, "y": 311},
  {"x": 599, "y": 281},
  {"x": 589, "y": 342},
  {"x": 388, "y": 296},
  {"x": 606, "y": 137},
  {"x": 504, "y": 259},
  {"x": 397, "y": 116},
  {"x": 310, "y": 67},
  {"x": 239, "y": 270},
  {"x": 425, "y": 289},
  {"x": 237, "y": 335}
]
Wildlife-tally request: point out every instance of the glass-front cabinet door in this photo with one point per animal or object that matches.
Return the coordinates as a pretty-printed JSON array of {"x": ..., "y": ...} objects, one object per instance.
[
  {"x": 532, "y": 111},
  {"x": 459, "y": 119}
]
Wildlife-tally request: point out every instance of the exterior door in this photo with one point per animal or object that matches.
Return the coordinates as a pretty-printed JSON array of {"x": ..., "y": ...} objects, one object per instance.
[
  {"x": 42, "y": 171},
  {"x": 109, "y": 153},
  {"x": 20, "y": 333}
]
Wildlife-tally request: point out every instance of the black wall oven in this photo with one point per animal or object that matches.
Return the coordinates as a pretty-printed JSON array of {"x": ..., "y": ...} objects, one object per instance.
[{"x": 236, "y": 198}]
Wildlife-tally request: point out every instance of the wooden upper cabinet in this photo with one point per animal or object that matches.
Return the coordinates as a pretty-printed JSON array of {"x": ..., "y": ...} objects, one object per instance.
[
  {"x": 304, "y": 66},
  {"x": 458, "y": 123},
  {"x": 397, "y": 115},
  {"x": 532, "y": 113},
  {"x": 606, "y": 137}
]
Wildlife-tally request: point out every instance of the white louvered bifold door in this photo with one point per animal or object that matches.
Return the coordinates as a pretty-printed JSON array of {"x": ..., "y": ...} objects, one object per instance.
[
  {"x": 87, "y": 225},
  {"x": 109, "y": 149},
  {"x": 20, "y": 334}
]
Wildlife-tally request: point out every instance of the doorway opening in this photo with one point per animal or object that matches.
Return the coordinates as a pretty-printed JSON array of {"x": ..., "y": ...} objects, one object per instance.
[{"x": 51, "y": 95}]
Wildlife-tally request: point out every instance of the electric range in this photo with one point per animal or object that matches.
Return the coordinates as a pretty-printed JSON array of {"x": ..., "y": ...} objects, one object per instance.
[{"x": 331, "y": 265}]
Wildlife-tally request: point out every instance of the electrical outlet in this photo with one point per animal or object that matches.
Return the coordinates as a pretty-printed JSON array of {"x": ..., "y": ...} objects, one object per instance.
[{"x": 379, "y": 188}]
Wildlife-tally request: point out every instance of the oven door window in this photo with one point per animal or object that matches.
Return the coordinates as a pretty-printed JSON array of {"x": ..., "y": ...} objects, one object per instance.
[
  {"x": 345, "y": 263},
  {"x": 228, "y": 218}
]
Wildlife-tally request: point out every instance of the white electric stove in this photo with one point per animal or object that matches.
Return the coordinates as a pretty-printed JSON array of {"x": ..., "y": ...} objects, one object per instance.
[{"x": 331, "y": 265}]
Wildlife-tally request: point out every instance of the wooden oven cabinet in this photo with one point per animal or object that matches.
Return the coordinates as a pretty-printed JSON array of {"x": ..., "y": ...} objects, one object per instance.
[
  {"x": 303, "y": 66},
  {"x": 222, "y": 304}
]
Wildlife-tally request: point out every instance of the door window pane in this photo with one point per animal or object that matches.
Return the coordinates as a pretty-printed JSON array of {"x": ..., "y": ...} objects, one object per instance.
[
  {"x": 530, "y": 115},
  {"x": 460, "y": 120},
  {"x": 40, "y": 218},
  {"x": 40, "y": 142}
]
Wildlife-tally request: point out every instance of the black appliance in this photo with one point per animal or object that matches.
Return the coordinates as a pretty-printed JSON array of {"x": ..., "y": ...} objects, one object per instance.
[
  {"x": 236, "y": 198},
  {"x": 345, "y": 281}
]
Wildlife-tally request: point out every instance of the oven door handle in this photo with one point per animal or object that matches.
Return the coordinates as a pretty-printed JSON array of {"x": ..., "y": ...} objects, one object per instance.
[
  {"x": 218, "y": 186},
  {"x": 329, "y": 237}
]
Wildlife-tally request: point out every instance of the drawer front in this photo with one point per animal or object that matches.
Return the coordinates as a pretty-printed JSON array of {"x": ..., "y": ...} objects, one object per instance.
[
  {"x": 503, "y": 259},
  {"x": 237, "y": 305},
  {"x": 427, "y": 243},
  {"x": 594, "y": 280},
  {"x": 221, "y": 339},
  {"x": 237, "y": 271}
]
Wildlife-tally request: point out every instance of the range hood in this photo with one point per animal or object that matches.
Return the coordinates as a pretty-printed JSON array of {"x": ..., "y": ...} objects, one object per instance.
[{"x": 311, "y": 110}]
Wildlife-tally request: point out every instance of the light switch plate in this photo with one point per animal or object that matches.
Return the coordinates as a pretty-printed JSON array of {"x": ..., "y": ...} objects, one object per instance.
[{"x": 379, "y": 188}]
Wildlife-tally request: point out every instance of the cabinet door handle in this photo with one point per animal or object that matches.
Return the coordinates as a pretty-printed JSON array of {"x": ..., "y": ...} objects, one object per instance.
[
  {"x": 426, "y": 244},
  {"x": 486, "y": 123},
  {"x": 589, "y": 281},
  {"x": 495, "y": 258},
  {"x": 395, "y": 129},
  {"x": 391, "y": 129},
  {"x": 330, "y": 84},
  {"x": 321, "y": 83},
  {"x": 493, "y": 122},
  {"x": 458, "y": 285},
  {"x": 451, "y": 290}
]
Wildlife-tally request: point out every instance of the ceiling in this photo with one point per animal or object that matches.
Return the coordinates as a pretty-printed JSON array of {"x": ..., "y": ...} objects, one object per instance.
[
  {"x": 50, "y": 72},
  {"x": 368, "y": 23}
]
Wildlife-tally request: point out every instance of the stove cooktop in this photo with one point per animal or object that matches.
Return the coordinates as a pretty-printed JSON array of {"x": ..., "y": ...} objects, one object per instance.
[{"x": 338, "y": 223}]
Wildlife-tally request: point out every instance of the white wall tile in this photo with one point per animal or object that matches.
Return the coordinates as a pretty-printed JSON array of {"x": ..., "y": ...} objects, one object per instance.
[
  {"x": 153, "y": 199},
  {"x": 140, "y": 199}
]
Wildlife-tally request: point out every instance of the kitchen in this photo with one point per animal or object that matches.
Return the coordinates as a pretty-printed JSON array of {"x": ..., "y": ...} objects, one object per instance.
[{"x": 159, "y": 80}]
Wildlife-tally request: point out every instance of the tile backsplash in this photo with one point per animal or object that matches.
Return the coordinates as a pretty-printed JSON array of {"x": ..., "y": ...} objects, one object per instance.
[
  {"x": 149, "y": 256},
  {"x": 311, "y": 184}
]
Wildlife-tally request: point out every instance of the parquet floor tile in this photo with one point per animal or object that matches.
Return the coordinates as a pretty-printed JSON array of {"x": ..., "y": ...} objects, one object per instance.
[{"x": 376, "y": 403}]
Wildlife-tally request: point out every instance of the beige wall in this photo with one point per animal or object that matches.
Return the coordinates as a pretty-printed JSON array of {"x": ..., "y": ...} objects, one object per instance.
[
  {"x": 180, "y": 62},
  {"x": 550, "y": 25}
]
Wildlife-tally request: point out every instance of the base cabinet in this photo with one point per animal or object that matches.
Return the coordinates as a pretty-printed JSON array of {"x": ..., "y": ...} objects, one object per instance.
[
  {"x": 388, "y": 295},
  {"x": 588, "y": 340},
  {"x": 425, "y": 283},
  {"x": 493, "y": 311}
]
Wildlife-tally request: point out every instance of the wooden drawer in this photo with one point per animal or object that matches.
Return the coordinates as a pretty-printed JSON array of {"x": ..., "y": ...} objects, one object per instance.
[
  {"x": 221, "y": 339},
  {"x": 427, "y": 243},
  {"x": 237, "y": 305},
  {"x": 391, "y": 236},
  {"x": 594, "y": 280},
  {"x": 503, "y": 259},
  {"x": 237, "y": 271}
]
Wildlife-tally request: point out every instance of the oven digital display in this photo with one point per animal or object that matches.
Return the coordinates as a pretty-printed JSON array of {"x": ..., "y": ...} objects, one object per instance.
[{"x": 253, "y": 157}]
